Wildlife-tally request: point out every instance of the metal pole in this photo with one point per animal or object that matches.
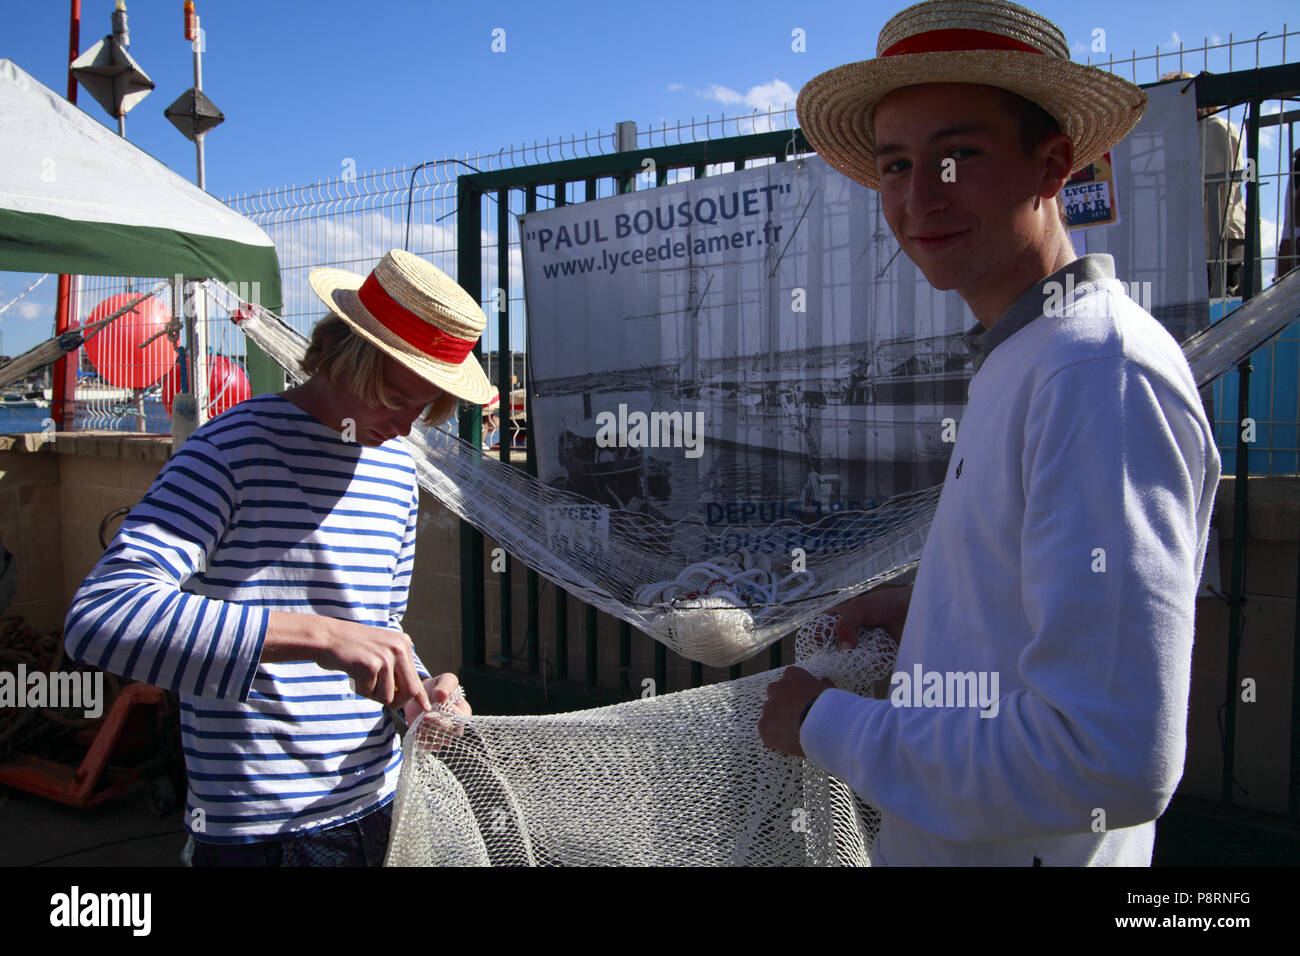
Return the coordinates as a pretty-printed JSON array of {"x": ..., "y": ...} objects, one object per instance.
[
  {"x": 469, "y": 274},
  {"x": 591, "y": 624},
  {"x": 624, "y": 141},
  {"x": 1237, "y": 594},
  {"x": 506, "y": 577},
  {"x": 184, "y": 414},
  {"x": 1293, "y": 797},
  {"x": 198, "y": 87},
  {"x": 63, "y": 389},
  {"x": 198, "y": 343},
  {"x": 196, "y": 315},
  {"x": 123, "y": 35}
]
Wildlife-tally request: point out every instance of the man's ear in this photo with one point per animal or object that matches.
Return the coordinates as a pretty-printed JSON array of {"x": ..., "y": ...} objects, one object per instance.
[{"x": 1057, "y": 155}]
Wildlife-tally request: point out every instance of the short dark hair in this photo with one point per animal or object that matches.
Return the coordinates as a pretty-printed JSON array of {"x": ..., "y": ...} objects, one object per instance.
[{"x": 1036, "y": 124}]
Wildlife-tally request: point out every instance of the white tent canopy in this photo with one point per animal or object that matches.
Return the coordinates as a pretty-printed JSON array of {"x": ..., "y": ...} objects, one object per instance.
[{"x": 77, "y": 198}]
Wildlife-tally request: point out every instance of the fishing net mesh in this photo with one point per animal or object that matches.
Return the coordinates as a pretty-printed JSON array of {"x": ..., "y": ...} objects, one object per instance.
[
  {"x": 705, "y": 592},
  {"x": 676, "y": 780}
]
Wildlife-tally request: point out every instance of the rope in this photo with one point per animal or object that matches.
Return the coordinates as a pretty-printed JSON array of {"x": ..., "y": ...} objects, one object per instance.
[
  {"x": 20, "y": 729},
  {"x": 20, "y": 295}
]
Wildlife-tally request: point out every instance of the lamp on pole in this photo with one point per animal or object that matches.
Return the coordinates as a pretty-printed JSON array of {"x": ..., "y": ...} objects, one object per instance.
[{"x": 194, "y": 114}]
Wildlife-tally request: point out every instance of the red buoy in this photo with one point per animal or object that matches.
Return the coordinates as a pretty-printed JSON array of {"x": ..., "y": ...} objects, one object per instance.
[
  {"x": 116, "y": 351},
  {"x": 228, "y": 385}
]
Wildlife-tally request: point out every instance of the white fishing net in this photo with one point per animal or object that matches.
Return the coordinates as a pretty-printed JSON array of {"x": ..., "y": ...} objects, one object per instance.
[
  {"x": 676, "y": 780},
  {"x": 712, "y": 594}
]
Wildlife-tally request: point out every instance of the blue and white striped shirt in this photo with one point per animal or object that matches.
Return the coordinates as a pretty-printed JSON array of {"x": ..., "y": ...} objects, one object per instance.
[{"x": 262, "y": 509}]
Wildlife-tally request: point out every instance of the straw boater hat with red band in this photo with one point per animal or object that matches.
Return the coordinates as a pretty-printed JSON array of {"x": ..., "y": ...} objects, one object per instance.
[
  {"x": 416, "y": 313},
  {"x": 991, "y": 42}
]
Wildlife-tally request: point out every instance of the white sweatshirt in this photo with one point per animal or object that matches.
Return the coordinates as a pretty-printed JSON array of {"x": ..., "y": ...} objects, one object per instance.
[{"x": 1064, "y": 559}]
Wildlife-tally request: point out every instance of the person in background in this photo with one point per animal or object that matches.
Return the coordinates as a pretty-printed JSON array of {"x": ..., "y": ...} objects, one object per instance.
[
  {"x": 1224, "y": 208},
  {"x": 492, "y": 422},
  {"x": 1288, "y": 246}
]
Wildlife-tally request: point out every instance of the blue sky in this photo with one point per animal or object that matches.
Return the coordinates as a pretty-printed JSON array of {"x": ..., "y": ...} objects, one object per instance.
[{"x": 306, "y": 86}]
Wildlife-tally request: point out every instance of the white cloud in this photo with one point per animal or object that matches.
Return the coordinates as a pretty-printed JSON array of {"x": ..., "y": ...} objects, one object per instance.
[
  {"x": 1215, "y": 39},
  {"x": 722, "y": 94},
  {"x": 1176, "y": 38},
  {"x": 774, "y": 95},
  {"x": 28, "y": 311},
  {"x": 674, "y": 87},
  {"x": 761, "y": 101}
]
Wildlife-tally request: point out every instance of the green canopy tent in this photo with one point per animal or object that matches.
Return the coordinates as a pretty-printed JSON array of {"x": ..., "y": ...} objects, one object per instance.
[{"x": 76, "y": 198}]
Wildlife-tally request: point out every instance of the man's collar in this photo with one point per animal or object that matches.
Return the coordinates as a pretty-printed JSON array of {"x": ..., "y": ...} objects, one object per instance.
[{"x": 1090, "y": 268}]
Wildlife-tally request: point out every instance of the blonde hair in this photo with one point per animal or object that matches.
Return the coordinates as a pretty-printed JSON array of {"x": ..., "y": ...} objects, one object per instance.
[{"x": 355, "y": 366}]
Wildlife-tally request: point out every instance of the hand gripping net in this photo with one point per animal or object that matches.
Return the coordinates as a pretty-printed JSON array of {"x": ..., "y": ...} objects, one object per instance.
[
  {"x": 678, "y": 581},
  {"x": 677, "y": 780}
]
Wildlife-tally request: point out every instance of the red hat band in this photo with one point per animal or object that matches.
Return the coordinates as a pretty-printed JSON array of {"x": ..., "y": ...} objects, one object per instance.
[
  {"x": 408, "y": 326},
  {"x": 950, "y": 41}
]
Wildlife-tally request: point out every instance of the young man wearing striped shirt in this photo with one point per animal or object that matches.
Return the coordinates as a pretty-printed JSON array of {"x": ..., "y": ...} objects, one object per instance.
[{"x": 265, "y": 576}]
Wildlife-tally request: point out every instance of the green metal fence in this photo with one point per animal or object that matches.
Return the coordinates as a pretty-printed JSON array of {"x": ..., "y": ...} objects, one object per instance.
[{"x": 1253, "y": 88}]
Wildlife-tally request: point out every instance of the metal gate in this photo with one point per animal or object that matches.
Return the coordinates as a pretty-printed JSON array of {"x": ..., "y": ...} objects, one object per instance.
[{"x": 508, "y": 687}]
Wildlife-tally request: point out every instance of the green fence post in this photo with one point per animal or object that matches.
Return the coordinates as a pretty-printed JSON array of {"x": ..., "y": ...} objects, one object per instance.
[
  {"x": 469, "y": 275},
  {"x": 1237, "y": 594}
]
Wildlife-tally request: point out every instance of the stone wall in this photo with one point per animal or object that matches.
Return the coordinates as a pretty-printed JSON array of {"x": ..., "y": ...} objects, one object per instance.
[
  {"x": 1268, "y": 639},
  {"x": 54, "y": 495},
  {"x": 29, "y": 528}
]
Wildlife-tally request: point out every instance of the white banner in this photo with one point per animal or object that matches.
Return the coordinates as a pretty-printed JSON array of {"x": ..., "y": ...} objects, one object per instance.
[{"x": 753, "y": 347}]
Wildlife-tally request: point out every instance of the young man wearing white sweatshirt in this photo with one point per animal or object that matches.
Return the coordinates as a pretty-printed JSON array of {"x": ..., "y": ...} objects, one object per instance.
[{"x": 1064, "y": 558}]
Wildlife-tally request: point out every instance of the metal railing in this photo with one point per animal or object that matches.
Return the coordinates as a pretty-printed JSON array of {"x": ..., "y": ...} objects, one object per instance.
[{"x": 129, "y": 372}]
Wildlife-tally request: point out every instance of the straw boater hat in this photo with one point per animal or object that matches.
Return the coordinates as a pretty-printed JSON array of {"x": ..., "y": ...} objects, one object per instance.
[
  {"x": 417, "y": 314},
  {"x": 966, "y": 41}
]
